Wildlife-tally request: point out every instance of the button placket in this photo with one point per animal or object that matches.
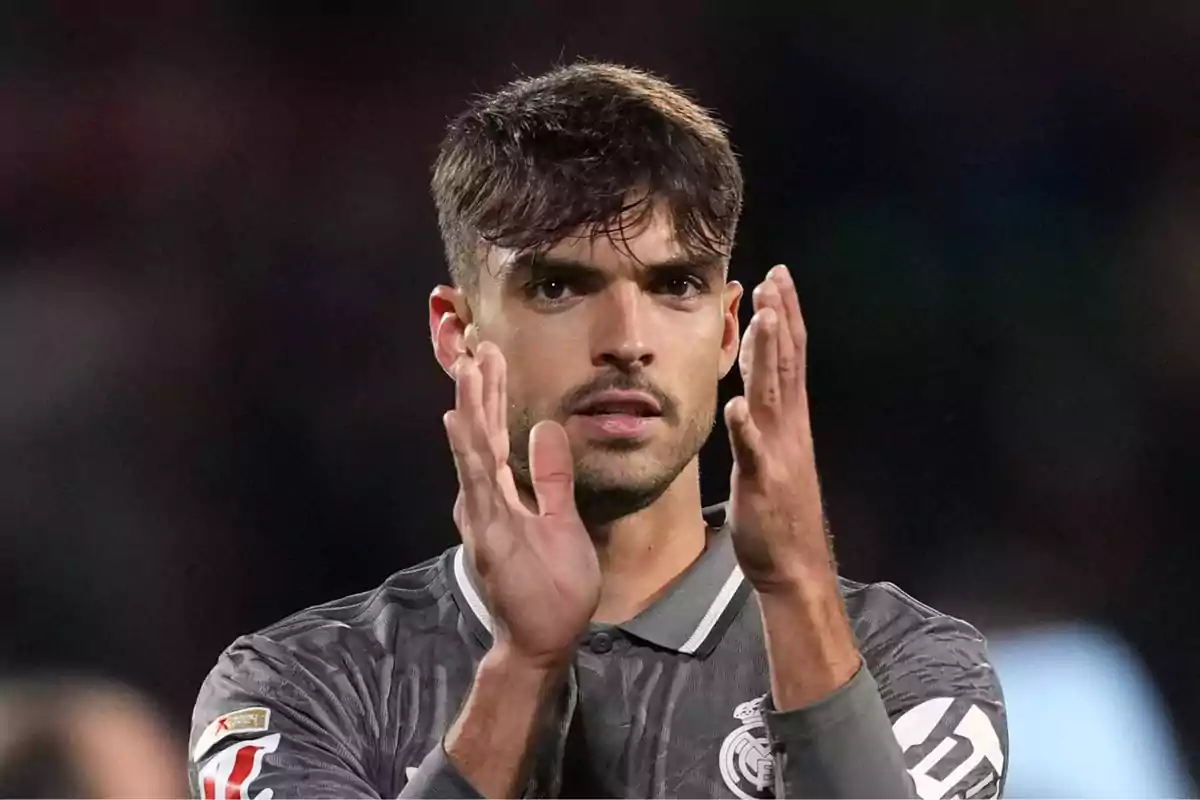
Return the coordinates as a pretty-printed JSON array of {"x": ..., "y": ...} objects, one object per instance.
[{"x": 601, "y": 642}]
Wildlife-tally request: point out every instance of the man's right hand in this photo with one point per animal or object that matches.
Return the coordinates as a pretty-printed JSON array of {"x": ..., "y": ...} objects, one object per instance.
[{"x": 539, "y": 571}]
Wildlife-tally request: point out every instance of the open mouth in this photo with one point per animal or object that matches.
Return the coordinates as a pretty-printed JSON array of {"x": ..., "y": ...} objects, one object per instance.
[
  {"x": 619, "y": 415},
  {"x": 620, "y": 404},
  {"x": 618, "y": 410}
]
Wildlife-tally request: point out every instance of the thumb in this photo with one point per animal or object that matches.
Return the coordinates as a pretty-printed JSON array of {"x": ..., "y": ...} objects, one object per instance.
[
  {"x": 552, "y": 469},
  {"x": 744, "y": 436}
]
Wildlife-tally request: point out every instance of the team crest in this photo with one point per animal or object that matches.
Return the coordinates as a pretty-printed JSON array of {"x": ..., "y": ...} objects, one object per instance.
[{"x": 746, "y": 762}]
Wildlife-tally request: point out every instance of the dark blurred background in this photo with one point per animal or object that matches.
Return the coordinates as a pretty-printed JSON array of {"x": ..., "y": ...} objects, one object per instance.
[{"x": 218, "y": 402}]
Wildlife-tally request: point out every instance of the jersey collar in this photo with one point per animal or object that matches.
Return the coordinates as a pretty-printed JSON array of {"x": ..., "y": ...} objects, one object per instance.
[{"x": 690, "y": 617}]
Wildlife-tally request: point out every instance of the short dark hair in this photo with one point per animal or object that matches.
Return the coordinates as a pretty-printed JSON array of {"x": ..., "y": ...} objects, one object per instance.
[{"x": 588, "y": 144}]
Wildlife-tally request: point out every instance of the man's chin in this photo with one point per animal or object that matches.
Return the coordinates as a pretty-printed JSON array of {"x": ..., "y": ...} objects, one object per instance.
[
  {"x": 606, "y": 492},
  {"x": 601, "y": 503},
  {"x": 620, "y": 469}
]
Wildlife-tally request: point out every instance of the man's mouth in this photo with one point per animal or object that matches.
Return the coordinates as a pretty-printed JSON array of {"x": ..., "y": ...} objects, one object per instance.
[
  {"x": 619, "y": 414},
  {"x": 620, "y": 403}
]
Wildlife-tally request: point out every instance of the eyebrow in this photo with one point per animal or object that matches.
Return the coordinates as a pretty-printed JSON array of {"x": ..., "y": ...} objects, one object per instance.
[{"x": 535, "y": 261}]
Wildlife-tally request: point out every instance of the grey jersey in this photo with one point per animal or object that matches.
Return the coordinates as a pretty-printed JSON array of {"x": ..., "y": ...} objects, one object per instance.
[{"x": 353, "y": 698}]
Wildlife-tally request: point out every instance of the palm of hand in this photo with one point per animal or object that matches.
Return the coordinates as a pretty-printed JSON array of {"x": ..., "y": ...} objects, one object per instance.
[
  {"x": 538, "y": 568},
  {"x": 775, "y": 503}
]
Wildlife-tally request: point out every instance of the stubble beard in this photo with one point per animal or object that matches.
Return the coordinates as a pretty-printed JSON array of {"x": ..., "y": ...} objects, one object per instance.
[{"x": 606, "y": 495}]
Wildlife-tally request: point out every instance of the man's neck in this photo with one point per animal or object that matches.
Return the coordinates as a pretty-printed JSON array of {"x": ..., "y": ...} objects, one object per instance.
[{"x": 642, "y": 553}]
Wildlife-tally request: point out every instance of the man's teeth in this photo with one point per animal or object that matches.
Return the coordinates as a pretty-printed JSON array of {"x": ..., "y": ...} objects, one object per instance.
[{"x": 628, "y": 411}]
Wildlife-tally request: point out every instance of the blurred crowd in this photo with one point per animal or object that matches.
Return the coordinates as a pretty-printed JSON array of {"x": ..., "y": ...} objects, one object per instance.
[{"x": 218, "y": 404}]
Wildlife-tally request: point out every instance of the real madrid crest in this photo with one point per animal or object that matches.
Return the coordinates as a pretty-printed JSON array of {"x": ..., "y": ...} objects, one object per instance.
[{"x": 746, "y": 762}]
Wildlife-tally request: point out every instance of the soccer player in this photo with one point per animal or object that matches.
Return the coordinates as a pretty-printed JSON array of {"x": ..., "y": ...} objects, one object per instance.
[{"x": 598, "y": 633}]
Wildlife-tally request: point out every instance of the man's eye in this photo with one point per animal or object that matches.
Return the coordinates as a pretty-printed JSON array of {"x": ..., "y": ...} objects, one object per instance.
[
  {"x": 682, "y": 285},
  {"x": 548, "y": 290}
]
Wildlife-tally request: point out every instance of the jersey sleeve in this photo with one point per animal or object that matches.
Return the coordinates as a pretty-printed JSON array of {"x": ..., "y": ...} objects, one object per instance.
[
  {"x": 947, "y": 710},
  {"x": 267, "y": 726},
  {"x": 928, "y": 722}
]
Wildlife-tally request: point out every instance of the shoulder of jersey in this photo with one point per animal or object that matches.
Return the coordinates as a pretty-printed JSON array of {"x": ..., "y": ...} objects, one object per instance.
[
  {"x": 884, "y": 605},
  {"x": 404, "y": 594}
]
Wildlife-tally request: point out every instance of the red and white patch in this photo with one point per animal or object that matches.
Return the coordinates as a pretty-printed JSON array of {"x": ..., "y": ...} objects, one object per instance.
[
  {"x": 228, "y": 774},
  {"x": 256, "y": 719}
]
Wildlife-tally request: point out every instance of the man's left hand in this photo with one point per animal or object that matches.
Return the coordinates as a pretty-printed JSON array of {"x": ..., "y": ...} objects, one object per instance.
[{"x": 775, "y": 501}]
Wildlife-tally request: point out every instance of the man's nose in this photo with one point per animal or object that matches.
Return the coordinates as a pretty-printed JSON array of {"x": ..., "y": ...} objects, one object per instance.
[{"x": 621, "y": 340}]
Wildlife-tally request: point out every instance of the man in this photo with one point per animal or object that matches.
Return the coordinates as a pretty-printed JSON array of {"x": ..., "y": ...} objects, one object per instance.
[{"x": 598, "y": 633}]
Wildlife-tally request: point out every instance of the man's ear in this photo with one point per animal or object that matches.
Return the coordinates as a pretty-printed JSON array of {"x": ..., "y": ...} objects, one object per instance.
[
  {"x": 731, "y": 298},
  {"x": 451, "y": 330}
]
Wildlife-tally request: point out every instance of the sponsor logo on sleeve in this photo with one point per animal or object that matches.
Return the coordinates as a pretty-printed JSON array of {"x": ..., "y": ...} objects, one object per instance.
[
  {"x": 229, "y": 774},
  {"x": 951, "y": 753},
  {"x": 244, "y": 720},
  {"x": 747, "y": 765}
]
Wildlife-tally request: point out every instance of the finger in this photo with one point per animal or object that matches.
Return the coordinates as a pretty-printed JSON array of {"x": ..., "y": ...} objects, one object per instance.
[
  {"x": 474, "y": 474},
  {"x": 459, "y": 513},
  {"x": 494, "y": 369},
  {"x": 792, "y": 319},
  {"x": 768, "y": 295},
  {"x": 762, "y": 387},
  {"x": 552, "y": 469},
  {"x": 485, "y": 355},
  {"x": 745, "y": 438},
  {"x": 491, "y": 370},
  {"x": 502, "y": 396},
  {"x": 746, "y": 354},
  {"x": 472, "y": 417},
  {"x": 468, "y": 386}
]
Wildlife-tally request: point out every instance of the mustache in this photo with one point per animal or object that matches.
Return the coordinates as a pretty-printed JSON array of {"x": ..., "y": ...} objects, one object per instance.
[{"x": 622, "y": 382}]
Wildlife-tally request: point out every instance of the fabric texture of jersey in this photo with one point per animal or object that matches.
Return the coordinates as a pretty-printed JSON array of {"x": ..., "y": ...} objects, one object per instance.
[{"x": 353, "y": 698}]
